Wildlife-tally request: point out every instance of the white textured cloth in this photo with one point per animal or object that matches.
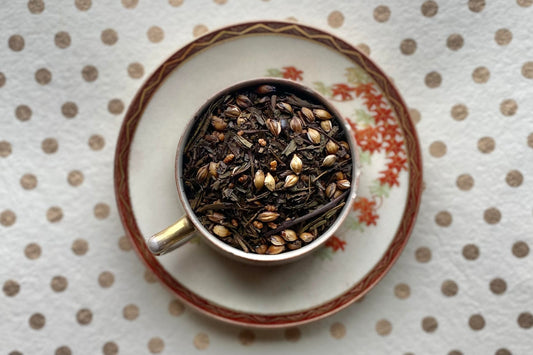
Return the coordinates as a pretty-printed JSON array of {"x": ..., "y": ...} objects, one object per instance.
[{"x": 72, "y": 284}]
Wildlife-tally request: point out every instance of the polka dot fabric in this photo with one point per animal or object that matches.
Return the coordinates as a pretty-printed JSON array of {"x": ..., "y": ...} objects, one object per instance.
[{"x": 462, "y": 284}]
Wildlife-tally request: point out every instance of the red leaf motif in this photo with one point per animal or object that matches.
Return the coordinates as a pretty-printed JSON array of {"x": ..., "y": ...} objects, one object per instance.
[
  {"x": 343, "y": 91},
  {"x": 335, "y": 243},
  {"x": 367, "y": 209},
  {"x": 292, "y": 73},
  {"x": 373, "y": 101}
]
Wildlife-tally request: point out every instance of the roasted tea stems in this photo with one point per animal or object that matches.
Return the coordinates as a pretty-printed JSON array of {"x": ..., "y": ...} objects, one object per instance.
[{"x": 322, "y": 209}]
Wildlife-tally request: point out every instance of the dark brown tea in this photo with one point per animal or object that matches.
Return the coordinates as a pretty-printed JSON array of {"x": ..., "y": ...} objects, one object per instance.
[{"x": 267, "y": 169}]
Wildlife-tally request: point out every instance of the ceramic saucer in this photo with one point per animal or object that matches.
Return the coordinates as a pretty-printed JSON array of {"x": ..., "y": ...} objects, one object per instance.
[{"x": 367, "y": 244}]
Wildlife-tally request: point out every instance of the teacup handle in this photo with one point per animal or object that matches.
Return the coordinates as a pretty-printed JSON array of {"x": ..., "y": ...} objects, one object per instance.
[{"x": 172, "y": 237}]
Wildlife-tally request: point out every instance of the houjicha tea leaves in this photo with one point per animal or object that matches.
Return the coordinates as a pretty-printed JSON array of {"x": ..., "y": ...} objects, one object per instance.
[{"x": 267, "y": 170}]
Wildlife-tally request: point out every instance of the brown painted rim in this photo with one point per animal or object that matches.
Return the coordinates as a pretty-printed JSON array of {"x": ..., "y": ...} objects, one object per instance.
[{"x": 134, "y": 115}]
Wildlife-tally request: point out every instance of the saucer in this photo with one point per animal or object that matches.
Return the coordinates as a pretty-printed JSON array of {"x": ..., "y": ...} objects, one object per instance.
[{"x": 362, "y": 250}]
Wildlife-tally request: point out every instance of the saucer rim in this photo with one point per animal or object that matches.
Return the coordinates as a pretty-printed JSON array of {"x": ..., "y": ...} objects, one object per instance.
[{"x": 134, "y": 115}]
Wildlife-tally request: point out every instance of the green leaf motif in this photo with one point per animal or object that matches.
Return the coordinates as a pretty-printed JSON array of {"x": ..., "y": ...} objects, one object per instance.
[
  {"x": 356, "y": 226},
  {"x": 365, "y": 157},
  {"x": 377, "y": 189},
  {"x": 356, "y": 75},
  {"x": 364, "y": 117},
  {"x": 274, "y": 72},
  {"x": 324, "y": 253},
  {"x": 322, "y": 88}
]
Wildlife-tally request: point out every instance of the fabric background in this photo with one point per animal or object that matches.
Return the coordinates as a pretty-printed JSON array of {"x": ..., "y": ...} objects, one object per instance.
[{"x": 71, "y": 283}]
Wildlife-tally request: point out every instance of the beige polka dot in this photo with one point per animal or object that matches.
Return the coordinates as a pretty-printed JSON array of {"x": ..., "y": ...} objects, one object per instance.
[
  {"x": 246, "y": 337},
  {"x": 408, "y": 46},
  {"x": 110, "y": 348},
  {"x": 383, "y": 327},
  {"x": 381, "y": 13},
  {"x": 220, "y": 2},
  {"x": 337, "y": 330},
  {"x": 75, "y": 178},
  {"x": 176, "y": 308},
  {"x": 8, "y": 218},
  {"x": 28, "y": 181},
  {"x": 470, "y": 252},
  {"x": 37, "y": 321},
  {"x": 5, "y": 149},
  {"x": 363, "y": 47},
  {"x": 43, "y": 76},
  {"x": 335, "y": 19},
  {"x": 156, "y": 345},
  {"x": 402, "y": 291},
  {"x": 459, "y": 112},
  {"x": 429, "y": 324},
  {"x": 155, "y": 34},
  {"x": 527, "y": 70},
  {"x": 486, "y": 145},
  {"x": 492, "y": 215},
  {"x": 503, "y": 351},
  {"x": 63, "y": 350},
  {"x": 465, "y": 182},
  {"x": 415, "y": 115},
  {"x": 423, "y": 255},
  {"x": 455, "y": 42},
  {"x": 84, "y": 316},
  {"x": 455, "y": 352},
  {"x": 124, "y": 243},
  {"x": 520, "y": 249},
  {"x": 529, "y": 142},
  {"x": 429, "y": 8},
  {"x": 101, "y": 210},
  {"x": 15, "y": 353},
  {"x": 201, "y": 341},
  {"x": 292, "y": 334},
  {"x": 476, "y": 322},
  {"x": 149, "y": 276},
  {"x": 481, "y": 75},
  {"x": 54, "y": 214},
  {"x": 525, "y": 320},
  {"x": 130, "y": 312},
  {"x": 175, "y": 3},
  {"x": 89, "y": 73},
  {"x": 83, "y": 5},
  {"x": 96, "y": 142},
  {"x": 524, "y": 3},
  {"x": 443, "y": 218},
  {"x": 11, "y": 288},
  {"x": 449, "y": 288},
  {"x": 16, "y": 43},
  {"x": 433, "y": 80},
  {"x": 135, "y": 70},
  {"x": 503, "y": 36},
  {"x": 49, "y": 145},
  {"x": 106, "y": 279},
  {"x": 498, "y": 286},
  {"x": 80, "y": 246},
  {"x": 115, "y": 106},
  {"x": 130, "y": 4},
  {"x": 69, "y": 109},
  {"x": 23, "y": 112},
  {"x": 476, "y": 5},
  {"x": 514, "y": 178},
  {"x": 437, "y": 149},
  {"x": 59, "y": 283},
  {"x": 32, "y": 251},
  {"x": 62, "y": 39},
  {"x": 109, "y": 36},
  {"x": 2, "y": 79},
  {"x": 291, "y": 19},
  {"x": 36, "y": 6},
  {"x": 508, "y": 107},
  {"x": 199, "y": 30}
]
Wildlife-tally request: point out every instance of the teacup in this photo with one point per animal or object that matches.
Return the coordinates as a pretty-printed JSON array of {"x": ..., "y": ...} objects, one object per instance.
[{"x": 184, "y": 229}]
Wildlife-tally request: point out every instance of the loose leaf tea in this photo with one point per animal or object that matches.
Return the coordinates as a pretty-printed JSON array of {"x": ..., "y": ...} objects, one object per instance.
[{"x": 266, "y": 169}]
